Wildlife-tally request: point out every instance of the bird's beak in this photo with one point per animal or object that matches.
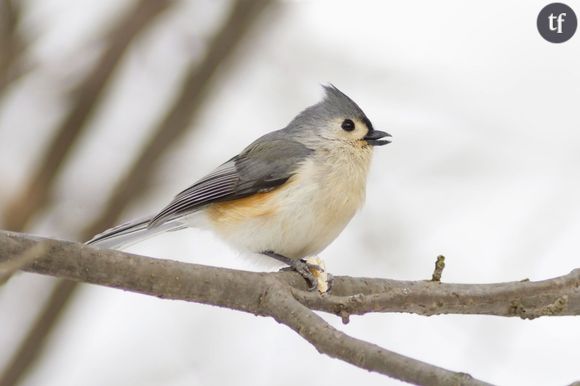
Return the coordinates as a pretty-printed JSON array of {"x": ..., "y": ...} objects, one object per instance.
[{"x": 373, "y": 138}]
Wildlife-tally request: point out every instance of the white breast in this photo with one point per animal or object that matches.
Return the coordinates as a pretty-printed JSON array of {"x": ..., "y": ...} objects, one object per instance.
[{"x": 306, "y": 214}]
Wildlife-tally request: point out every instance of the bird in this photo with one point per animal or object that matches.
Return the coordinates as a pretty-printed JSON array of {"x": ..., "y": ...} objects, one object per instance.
[{"x": 287, "y": 195}]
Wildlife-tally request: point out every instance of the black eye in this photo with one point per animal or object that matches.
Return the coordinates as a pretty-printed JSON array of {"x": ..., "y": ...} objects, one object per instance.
[{"x": 347, "y": 125}]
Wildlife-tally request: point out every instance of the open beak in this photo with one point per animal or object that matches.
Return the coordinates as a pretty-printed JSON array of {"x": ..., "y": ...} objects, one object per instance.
[{"x": 373, "y": 138}]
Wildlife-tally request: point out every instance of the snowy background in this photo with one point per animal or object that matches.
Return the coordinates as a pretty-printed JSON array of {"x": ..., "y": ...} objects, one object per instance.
[{"x": 483, "y": 168}]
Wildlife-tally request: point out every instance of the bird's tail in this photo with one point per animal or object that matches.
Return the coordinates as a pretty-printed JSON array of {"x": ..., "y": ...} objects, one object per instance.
[{"x": 130, "y": 233}]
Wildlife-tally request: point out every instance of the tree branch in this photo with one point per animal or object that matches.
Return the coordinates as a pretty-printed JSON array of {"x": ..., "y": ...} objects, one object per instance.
[
  {"x": 283, "y": 296},
  {"x": 524, "y": 299}
]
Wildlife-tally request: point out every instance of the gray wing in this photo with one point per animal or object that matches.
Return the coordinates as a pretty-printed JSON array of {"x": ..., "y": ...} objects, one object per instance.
[{"x": 265, "y": 164}]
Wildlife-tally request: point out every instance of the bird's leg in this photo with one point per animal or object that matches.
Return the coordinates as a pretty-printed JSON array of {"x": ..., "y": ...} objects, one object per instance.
[{"x": 298, "y": 265}]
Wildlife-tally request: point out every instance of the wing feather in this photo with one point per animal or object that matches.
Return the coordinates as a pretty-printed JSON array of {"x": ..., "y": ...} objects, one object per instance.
[{"x": 265, "y": 164}]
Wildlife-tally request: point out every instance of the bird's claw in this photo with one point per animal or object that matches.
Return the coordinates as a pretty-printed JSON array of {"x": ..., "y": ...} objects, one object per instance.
[
  {"x": 314, "y": 274},
  {"x": 312, "y": 269},
  {"x": 305, "y": 270}
]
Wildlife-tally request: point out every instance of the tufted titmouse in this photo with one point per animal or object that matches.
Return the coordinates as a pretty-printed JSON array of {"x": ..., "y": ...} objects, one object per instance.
[{"x": 287, "y": 195}]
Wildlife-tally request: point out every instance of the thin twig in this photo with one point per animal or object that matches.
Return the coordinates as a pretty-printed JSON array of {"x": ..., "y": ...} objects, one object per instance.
[{"x": 439, "y": 267}]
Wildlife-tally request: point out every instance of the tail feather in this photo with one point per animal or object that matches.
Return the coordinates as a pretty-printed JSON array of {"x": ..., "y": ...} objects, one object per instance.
[{"x": 130, "y": 233}]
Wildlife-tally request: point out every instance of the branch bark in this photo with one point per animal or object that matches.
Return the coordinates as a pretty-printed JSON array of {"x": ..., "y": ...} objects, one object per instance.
[{"x": 283, "y": 296}]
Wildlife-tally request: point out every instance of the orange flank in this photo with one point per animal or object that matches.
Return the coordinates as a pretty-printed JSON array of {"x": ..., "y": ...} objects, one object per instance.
[{"x": 247, "y": 208}]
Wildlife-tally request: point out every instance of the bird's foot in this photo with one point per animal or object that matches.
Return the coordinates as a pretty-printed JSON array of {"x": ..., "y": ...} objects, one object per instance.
[
  {"x": 324, "y": 279},
  {"x": 312, "y": 269},
  {"x": 306, "y": 270}
]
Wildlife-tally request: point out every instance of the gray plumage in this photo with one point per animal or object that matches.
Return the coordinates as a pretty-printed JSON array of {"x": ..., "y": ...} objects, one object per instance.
[
  {"x": 262, "y": 166},
  {"x": 335, "y": 104}
]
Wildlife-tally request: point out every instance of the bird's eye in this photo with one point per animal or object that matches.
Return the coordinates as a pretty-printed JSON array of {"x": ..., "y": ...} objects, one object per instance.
[{"x": 347, "y": 125}]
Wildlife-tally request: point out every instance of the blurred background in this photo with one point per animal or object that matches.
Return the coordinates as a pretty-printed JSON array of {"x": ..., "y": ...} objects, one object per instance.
[{"x": 108, "y": 108}]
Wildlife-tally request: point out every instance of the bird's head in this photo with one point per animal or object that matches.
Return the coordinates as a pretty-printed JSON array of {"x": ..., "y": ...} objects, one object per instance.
[{"x": 337, "y": 118}]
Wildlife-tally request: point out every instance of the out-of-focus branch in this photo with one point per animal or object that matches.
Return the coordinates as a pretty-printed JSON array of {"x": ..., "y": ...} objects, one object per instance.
[
  {"x": 257, "y": 293},
  {"x": 8, "y": 268},
  {"x": 173, "y": 125},
  {"x": 11, "y": 44},
  {"x": 35, "y": 195}
]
